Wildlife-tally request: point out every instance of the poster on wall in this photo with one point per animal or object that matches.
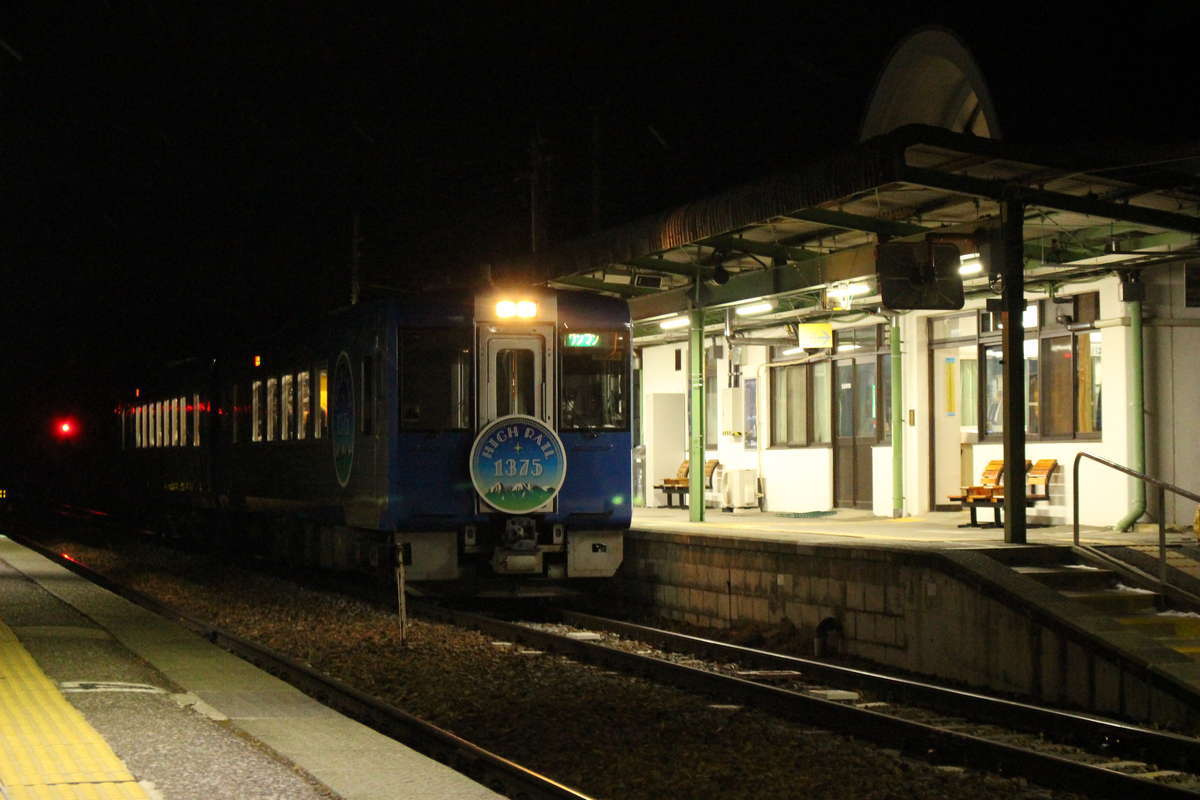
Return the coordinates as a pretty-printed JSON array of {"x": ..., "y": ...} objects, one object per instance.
[{"x": 951, "y": 387}]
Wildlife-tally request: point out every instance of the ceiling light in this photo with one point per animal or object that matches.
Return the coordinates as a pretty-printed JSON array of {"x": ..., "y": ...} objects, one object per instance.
[
  {"x": 849, "y": 290},
  {"x": 970, "y": 264},
  {"x": 673, "y": 322},
  {"x": 761, "y": 307}
]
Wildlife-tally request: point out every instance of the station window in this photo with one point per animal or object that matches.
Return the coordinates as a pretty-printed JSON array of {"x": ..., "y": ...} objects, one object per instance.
[
  {"x": 435, "y": 378},
  {"x": 256, "y": 411},
  {"x": 272, "y": 407},
  {"x": 800, "y": 405},
  {"x": 303, "y": 405},
  {"x": 750, "y": 409},
  {"x": 710, "y": 399},
  {"x": 1061, "y": 369},
  {"x": 287, "y": 405},
  {"x": 595, "y": 381},
  {"x": 321, "y": 424},
  {"x": 196, "y": 421}
]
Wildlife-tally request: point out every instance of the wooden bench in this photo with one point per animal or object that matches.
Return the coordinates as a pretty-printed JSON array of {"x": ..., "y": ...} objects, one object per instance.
[
  {"x": 988, "y": 494},
  {"x": 680, "y": 484}
]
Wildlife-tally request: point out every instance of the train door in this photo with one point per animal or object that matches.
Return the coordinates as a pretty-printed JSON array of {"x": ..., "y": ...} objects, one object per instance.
[{"x": 516, "y": 373}]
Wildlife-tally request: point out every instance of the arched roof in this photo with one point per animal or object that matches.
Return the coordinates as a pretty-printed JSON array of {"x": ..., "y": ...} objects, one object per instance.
[{"x": 931, "y": 79}]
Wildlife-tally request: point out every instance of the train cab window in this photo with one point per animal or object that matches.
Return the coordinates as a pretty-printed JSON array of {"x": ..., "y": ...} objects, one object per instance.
[
  {"x": 288, "y": 408},
  {"x": 515, "y": 379},
  {"x": 321, "y": 425},
  {"x": 196, "y": 421},
  {"x": 435, "y": 379},
  {"x": 595, "y": 380},
  {"x": 256, "y": 433},
  {"x": 303, "y": 405},
  {"x": 272, "y": 407}
]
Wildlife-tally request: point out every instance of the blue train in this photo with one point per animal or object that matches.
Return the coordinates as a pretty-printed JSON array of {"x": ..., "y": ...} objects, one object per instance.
[{"x": 483, "y": 435}]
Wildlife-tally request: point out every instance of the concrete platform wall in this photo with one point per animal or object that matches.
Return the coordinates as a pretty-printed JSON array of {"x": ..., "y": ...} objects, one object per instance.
[{"x": 958, "y": 616}]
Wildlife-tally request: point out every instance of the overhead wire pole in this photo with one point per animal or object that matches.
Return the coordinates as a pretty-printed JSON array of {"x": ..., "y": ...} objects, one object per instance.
[{"x": 1012, "y": 270}]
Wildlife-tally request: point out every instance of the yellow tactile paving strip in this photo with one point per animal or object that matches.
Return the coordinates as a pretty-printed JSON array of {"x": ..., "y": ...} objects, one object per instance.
[{"x": 48, "y": 751}]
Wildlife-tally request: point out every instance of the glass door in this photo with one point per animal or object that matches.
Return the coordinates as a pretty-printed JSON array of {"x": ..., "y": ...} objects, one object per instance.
[
  {"x": 856, "y": 397},
  {"x": 514, "y": 377}
]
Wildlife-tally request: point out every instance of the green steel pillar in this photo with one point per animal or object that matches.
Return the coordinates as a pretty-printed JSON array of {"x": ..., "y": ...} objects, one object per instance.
[
  {"x": 696, "y": 412},
  {"x": 897, "y": 423},
  {"x": 1137, "y": 414}
]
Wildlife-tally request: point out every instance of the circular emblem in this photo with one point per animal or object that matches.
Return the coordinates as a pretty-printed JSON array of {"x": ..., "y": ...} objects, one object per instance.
[
  {"x": 341, "y": 419},
  {"x": 517, "y": 464}
]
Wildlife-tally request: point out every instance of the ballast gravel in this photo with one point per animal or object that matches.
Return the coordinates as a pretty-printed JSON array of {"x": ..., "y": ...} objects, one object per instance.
[{"x": 606, "y": 734}]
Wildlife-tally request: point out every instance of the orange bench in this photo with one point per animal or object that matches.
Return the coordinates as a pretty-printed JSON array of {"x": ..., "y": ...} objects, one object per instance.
[
  {"x": 680, "y": 484},
  {"x": 988, "y": 494}
]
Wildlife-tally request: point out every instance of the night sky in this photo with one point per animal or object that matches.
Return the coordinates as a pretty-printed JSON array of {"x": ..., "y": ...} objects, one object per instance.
[{"x": 178, "y": 178}]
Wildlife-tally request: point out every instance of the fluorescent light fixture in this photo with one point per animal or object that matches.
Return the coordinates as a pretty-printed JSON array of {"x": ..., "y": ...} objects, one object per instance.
[
  {"x": 673, "y": 322},
  {"x": 970, "y": 264},
  {"x": 761, "y": 307},
  {"x": 791, "y": 351},
  {"x": 849, "y": 290},
  {"x": 842, "y": 348}
]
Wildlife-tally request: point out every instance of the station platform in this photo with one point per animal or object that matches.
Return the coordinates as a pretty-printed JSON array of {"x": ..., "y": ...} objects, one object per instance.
[
  {"x": 937, "y": 529},
  {"x": 99, "y": 698}
]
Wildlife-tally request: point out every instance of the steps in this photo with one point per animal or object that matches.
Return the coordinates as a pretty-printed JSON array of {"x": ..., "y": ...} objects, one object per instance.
[{"x": 1103, "y": 590}]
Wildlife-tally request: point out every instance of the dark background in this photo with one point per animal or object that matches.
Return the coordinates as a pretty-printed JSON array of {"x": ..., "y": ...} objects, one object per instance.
[{"x": 179, "y": 178}]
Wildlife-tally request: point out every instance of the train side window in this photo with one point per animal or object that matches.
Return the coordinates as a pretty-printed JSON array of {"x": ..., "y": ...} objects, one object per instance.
[
  {"x": 272, "y": 407},
  {"x": 435, "y": 378},
  {"x": 196, "y": 421},
  {"x": 256, "y": 411},
  {"x": 322, "y": 422},
  {"x": 287, "y": 406},
  {"x": 183, "y": 422},
  {"x": 172, "y": 409},
  {"x": 368, "y": 393},
  {"x": 303, "y": 405},
  {"x": 235, "y": 413},
  {"x": 137, "y": 426},
  {"x": 152, "y": 424}
]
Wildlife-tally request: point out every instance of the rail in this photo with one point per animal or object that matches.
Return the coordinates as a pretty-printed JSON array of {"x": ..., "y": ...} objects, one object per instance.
[{"x": 1162, "y": 486}]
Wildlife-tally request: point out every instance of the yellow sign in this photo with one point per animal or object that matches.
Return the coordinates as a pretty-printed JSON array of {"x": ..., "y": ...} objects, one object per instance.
[{"x": 815, "y": 335}]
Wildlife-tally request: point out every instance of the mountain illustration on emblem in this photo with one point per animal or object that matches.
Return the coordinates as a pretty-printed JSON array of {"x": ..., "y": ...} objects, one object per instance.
[{"x": 520, "y": 496}]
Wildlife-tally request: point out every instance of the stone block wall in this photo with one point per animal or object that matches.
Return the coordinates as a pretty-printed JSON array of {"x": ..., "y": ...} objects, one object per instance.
[{"x": 953, "y": 615}]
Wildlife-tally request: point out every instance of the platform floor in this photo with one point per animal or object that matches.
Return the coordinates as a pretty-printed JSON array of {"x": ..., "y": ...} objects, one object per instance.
[
  {"x": 937, "y": 529},
  {"x": 101, "y": 699}
]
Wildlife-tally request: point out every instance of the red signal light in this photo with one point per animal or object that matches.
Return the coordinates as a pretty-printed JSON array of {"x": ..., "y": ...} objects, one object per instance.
[{"x": 66, "y": 428}]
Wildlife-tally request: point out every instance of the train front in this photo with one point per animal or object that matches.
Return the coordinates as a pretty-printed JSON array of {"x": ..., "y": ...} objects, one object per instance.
[{"x": 550, "y": 462}]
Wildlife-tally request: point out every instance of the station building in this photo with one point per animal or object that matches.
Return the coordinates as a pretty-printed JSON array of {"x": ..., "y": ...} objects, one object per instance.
[{"x": 764, "y": 340}]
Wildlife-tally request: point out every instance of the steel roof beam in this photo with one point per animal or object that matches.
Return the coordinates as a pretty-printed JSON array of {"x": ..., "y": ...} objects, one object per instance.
[
  {"x": 998, "y": 189},
  {"x": 673, "y": 267},
  {"x": 739, "y": 244},
  {"x": 595, "y": 284},
  {"x": 858, "y": 222}
]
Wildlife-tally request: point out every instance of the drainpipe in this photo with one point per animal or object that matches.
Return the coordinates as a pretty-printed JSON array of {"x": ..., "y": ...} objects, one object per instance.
[
  {"x": 897, "y": 423},
  {"x": 1135, "y": 406}
]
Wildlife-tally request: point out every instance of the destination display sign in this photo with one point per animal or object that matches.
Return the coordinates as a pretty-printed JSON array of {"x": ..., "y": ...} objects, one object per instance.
[{"x": 518, "y": 464}]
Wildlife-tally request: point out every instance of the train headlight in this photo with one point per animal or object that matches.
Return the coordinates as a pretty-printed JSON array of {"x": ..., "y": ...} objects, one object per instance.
[{"x": 526, "y": 309}]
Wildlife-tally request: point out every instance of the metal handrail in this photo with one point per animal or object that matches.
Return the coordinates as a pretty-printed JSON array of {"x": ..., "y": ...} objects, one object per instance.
[{"x": 1163, "y": 488}]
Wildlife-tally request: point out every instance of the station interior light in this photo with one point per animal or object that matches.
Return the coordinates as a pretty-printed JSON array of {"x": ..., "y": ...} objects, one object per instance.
[
  {"x": 970, "y": 264},
  {"x": 758, "y": 307},
  {"x": 673, "y": 322},
  {"x": 849, "y": 289}
]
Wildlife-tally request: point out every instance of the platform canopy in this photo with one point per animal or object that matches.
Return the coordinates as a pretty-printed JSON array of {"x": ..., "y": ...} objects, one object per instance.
[{"x": 790, "y": 237}]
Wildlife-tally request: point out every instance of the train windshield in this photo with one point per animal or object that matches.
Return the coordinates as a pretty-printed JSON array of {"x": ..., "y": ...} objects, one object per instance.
[
  {"x": 516, "y": 382},
  {"x": 595, "y": 380},
  {"x": 435, "y": 379}
]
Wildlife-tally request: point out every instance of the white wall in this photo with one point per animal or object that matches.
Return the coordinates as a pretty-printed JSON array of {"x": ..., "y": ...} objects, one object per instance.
[{"x": 800, "y": 479}]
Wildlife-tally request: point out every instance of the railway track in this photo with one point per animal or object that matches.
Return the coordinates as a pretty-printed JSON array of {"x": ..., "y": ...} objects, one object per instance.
[
  {"x": 1053, "y": 748},
  {"x": 499, "y": 774}
]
